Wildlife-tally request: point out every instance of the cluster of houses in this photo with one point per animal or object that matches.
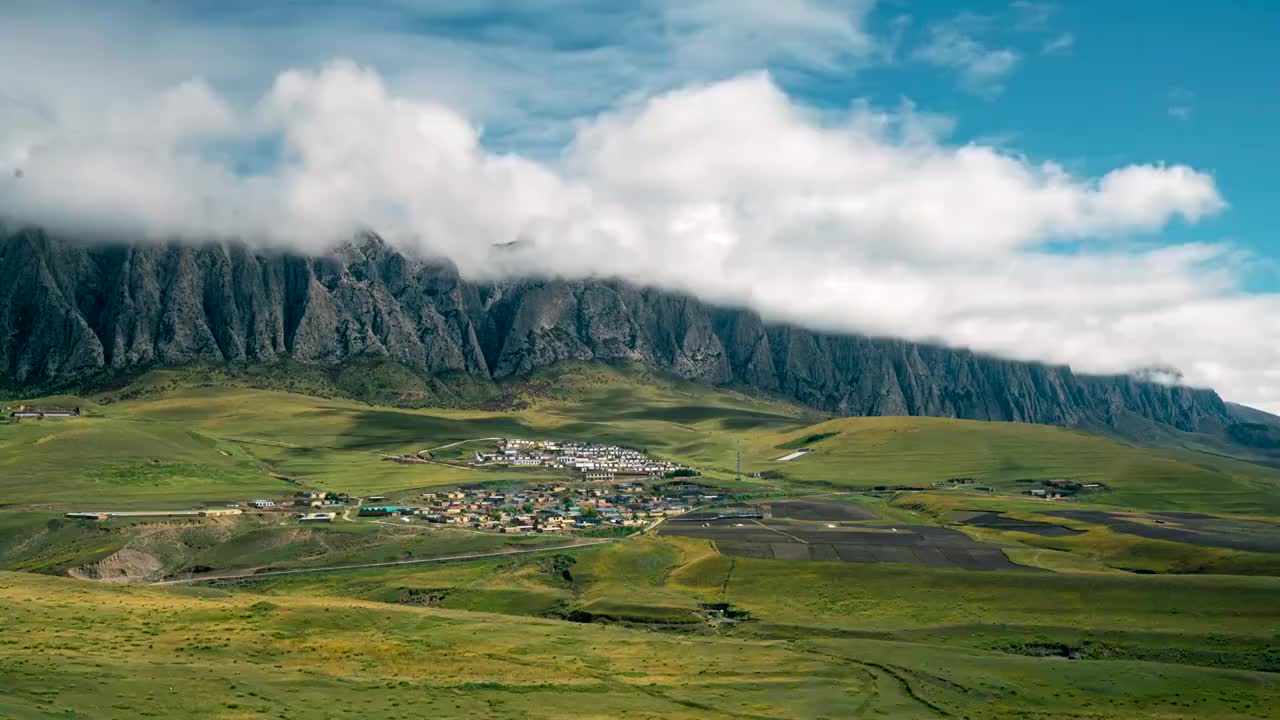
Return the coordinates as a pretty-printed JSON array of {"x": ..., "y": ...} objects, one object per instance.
[
  {"x": 553, "y": 507},
  {"x": 593, "y": 461},
  {"x": 309, "y": 506},
  {"x": 37, "y": 413},
  {"x": 1059, "y": 488},
  {"x": 314, "y": 499}
]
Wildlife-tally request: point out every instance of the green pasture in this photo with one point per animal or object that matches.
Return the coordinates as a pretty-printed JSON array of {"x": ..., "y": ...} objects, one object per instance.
[
  {"x": 1222, "y": 621},
  {"x": 174, "y": 442},
  {"x": 112, "y": 651},
  {"x": 898, "y": 451}
]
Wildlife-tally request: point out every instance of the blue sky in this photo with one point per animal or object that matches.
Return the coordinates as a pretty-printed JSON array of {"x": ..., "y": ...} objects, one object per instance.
[
  {"x": 1077, "y": 182},
  {"x": 1109, "y": 101}
]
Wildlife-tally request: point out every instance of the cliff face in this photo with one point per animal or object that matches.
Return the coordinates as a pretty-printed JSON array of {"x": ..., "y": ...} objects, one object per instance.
[{"x": 71, "y": 310}]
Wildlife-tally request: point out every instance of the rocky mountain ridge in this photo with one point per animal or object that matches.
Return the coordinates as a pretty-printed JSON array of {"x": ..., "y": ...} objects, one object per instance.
[{"x": 72, "y": 310}]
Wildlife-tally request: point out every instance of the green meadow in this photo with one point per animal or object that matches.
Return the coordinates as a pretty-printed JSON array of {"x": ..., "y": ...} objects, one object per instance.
[
  {"x": 1229, "y": 620},
  {"x": 97, "y": 650},
  {"x": 865, "y": 452},
  {"x": 170, "y": 441}
]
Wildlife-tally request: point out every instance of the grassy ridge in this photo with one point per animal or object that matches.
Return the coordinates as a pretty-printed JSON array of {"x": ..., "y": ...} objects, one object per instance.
[
  {"x": 121, "y": 458},
  {"x": 865, "y": 452}
]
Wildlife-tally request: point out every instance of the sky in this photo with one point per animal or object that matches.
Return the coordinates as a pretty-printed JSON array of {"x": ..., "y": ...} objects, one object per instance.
[{"x": 1087, "y": 183}]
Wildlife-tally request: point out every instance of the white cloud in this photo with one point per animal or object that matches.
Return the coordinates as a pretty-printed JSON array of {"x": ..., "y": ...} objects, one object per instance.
[
  {"x": 1030, "y": 16},
  {"x": 733, "y": 34},
  {"x": 1181, "y": 103},
  {"x": 869, "y": 222},
  {"x": 1059, "y": 45},
  {"x": 523, "y": 69},
  {"x": 954, "y": 45}
]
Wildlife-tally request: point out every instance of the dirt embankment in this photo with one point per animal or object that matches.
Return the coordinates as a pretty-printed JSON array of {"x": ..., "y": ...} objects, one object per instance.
[
  {"x": 155, "y": 549},
  {"x": 126, "y": 565}
]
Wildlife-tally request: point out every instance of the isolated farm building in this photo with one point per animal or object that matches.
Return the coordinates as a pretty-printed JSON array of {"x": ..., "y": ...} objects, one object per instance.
[
  {"x": 25, "y": 411},
  {"x": 39, "y": 414}
]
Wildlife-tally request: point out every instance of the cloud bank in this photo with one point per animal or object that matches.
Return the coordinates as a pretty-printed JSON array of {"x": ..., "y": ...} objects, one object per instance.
[{"x": 865, "y": 220}]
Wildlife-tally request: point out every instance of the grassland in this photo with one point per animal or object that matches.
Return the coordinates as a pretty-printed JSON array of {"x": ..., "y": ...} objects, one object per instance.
[
  {"x": 1228, "y": 623},
  {"x": 889, "y": 451},
  {"x": 1097, "y": 547},
  {"x": 168, "y": 439},
  {"x": 175, "y": 439},
  {"x": 616, "y": 630},
  {"x": 120, "y": 458},
  {"x": 111, "y": 651}
]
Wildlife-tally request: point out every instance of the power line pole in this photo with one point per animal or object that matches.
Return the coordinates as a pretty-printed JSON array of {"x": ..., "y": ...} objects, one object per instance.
[{"x": 739, "y": 451}]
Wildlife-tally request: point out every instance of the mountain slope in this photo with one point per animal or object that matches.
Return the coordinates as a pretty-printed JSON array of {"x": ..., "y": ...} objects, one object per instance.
[
  {"x": 1246, "y": 414},
  {"x": 70, "y": 311}
]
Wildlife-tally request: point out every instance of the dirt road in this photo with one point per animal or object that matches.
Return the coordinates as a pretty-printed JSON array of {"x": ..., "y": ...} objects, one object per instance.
[
  {"x": 455, "y": 444},
  {"x": 334, "y": 568}
]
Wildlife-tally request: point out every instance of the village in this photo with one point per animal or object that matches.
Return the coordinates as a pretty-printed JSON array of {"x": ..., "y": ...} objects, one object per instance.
[
  {"x": 595, "y": 461},
  {"x": 545, "y": 508},
  {"x": 601, "y": 487},
  {"x": 553, "y": 507}
]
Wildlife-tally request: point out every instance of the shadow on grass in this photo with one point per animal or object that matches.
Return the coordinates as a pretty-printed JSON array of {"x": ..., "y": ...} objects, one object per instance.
[
  {"x": 730, "y": 418},
  {"x": 376, "y": 428}
]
